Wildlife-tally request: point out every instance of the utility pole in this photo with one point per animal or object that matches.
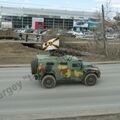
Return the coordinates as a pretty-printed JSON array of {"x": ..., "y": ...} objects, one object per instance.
[{"x": 103, "y": 31}]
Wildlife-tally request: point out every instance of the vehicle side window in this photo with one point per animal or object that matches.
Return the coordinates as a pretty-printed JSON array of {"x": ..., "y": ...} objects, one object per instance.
[{"x": 75, "y": 65}]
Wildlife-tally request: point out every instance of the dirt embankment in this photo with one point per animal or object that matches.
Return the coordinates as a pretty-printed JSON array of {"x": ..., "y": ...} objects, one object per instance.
[
  {"x": 94, "y": 117},
  {"x": 16, "y": 53}
]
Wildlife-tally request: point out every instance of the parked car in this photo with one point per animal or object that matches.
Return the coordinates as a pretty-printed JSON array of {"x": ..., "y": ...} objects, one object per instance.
[
  {"x": 29, "y": 30},
  {"x": 43, "y": 32}
]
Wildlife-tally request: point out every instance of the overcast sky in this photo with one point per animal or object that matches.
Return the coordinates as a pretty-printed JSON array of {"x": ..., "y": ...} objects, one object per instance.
[{"x": 82, "y": 5}]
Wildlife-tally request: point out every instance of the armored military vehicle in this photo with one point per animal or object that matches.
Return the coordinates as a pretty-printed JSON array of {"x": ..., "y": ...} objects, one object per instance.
[
  {"x": 50, "y": 69},
  {"x": 55, "y": 67}
]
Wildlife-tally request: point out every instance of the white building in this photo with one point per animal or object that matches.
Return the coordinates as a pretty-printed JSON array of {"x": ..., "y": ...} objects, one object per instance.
[{"x": 41, "y": 18}]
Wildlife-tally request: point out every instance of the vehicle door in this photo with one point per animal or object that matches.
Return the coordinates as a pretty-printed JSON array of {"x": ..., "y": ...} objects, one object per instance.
[{"x": 76, "y": 70}]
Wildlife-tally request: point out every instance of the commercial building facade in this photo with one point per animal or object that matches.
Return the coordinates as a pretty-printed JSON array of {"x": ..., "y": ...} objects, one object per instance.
[{"x": 41, "y": 18}]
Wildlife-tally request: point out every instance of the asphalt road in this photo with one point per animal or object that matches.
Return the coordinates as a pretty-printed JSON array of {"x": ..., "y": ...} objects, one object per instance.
[{"x": 19, "y": 94}]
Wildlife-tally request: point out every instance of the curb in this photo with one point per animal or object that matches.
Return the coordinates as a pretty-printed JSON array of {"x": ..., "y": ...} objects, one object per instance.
[
  {"x": 112, "y": 116},
  {"x": 106, "y": 62},
  {"x": 15, "y": 66},
  {"x": 90, "y": 116}
]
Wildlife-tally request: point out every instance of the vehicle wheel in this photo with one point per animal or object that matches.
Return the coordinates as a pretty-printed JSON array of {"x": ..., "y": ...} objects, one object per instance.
[
  {"x": 90, "y": 79},
  {"x": 48, "y": 81}
]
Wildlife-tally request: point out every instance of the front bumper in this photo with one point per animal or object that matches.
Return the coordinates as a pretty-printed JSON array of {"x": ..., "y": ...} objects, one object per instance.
[{"x": 98, "y": 74}]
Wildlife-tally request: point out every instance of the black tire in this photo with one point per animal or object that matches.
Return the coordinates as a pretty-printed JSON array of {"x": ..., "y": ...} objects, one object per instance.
[
  {"x": 48, "y": 81},
  {"x": 90, "y": 79}
]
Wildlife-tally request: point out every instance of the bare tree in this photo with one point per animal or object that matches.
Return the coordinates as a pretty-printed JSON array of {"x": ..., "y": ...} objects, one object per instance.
[
  {"x": 117, "y": 19},
  {"x": 107, "y": 9}
]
